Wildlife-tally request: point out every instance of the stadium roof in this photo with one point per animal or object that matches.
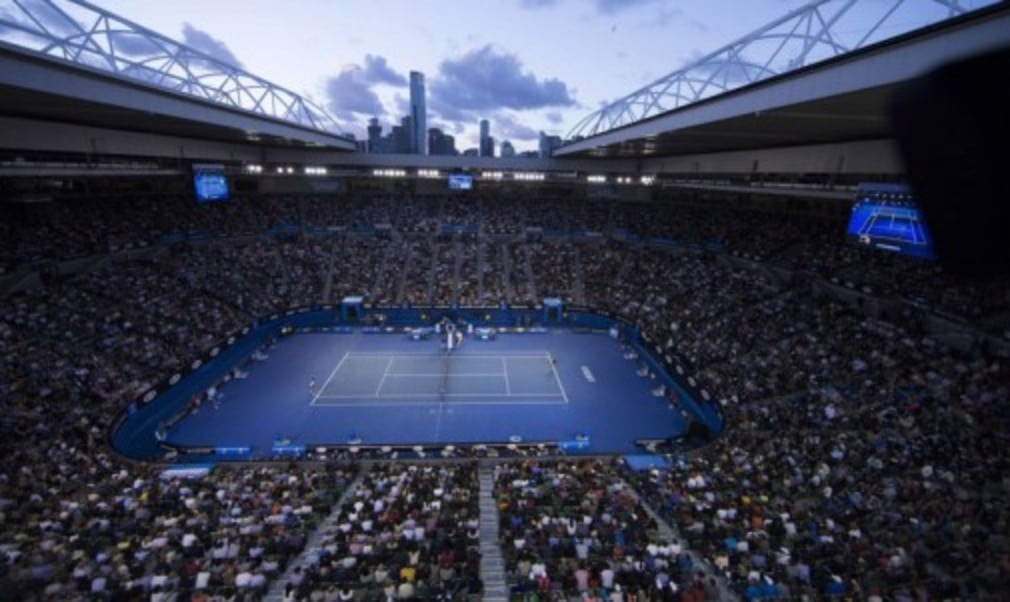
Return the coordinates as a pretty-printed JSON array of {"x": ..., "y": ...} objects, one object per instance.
[
  {"x": 38, "y": 38},
  {"x": 824, "y": 91}
]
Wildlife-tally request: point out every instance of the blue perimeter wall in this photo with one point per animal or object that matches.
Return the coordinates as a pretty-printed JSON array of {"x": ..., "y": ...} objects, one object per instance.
[{"x": 133, "y": 431}]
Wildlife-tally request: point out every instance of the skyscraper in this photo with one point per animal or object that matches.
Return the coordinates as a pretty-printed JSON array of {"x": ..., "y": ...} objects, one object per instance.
[
  {"x": 548, "y": 144},
  {"x": 374, "y": 135},
  {"x": 486, "y": 148},
  {"x": 440, "y": 143},
  {"x": 418, "y": 114},
  {"x": 403, "y": 136},
  {"x": 507, "y": 150}
]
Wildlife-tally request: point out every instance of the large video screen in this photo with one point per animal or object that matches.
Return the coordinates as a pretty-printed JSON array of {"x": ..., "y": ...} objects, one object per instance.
[
  {"x": 209, "y": 183},
  {"x": 886, "y": 217},
  {"x": 460, "y": 181}
]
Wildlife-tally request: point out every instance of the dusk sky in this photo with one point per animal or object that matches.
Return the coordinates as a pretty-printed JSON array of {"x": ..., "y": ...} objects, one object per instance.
[{"x": 526, "y": 65}]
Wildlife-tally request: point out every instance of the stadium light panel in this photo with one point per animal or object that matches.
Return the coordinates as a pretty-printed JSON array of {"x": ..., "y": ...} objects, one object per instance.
[{"x": 389, "y": 173}]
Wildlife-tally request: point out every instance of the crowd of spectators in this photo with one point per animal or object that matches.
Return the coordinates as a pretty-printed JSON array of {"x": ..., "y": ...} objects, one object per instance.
[
  {"x": 860, "y": 455},
  {"x": 418, "y": 271},
  {"x": 473, "y": 272},
  {"x": 79, "y": 526},
  {"x": 444, "y": 274},
  {"x": 62, "y": 229},
  {"x": 572, "y": 530},
  {"x": 360, "y": 266},
  {"x": 882, "y": 479},
  {"x": 496, "y": 277},
  {"x": 408, "y": 532},
  {"x": 518, "y": 270},
  {"x": 555, "y": 270}
]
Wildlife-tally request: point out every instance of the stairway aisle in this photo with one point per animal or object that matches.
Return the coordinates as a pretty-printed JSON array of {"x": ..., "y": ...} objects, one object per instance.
[
  {"x": 380, "y": 274},
  {"x": 506, "y": 272},
  {"x": 457, "y": 267},
  {"x": 670, "y": 534},
  {"x": 578, "y": 283},
  {"x": 276, "y": 591},
  {"x": 433, "y": 269},
  {"x": 492, "y": 565},
  {"x": 481, "y": 267},
  {"x": 328, "y": 284},
  {"x": 406, "y": 256},
  {"x": 528, "y": 271}
]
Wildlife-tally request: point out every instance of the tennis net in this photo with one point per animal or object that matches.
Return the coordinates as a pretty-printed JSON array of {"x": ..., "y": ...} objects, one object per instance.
[{"x": 445, "y": 375}]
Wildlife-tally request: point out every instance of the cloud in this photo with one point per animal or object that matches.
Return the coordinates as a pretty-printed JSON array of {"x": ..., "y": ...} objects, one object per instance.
[
  {"x": 606, "y": 7},
  {"x": 612, "y": 7},
  {"x": 553, "y": 116},
  {"x": 538, "y": 4},
  {"x": 452, "y": 128},
  {"x": 204, "y": 42},
  {"x": 664, "y": 16},
  {"x": 486, "y": 80},
  {"x": 134, "y": 44},
  {"x": 6, "y": 15},
  {"x": 505, "y": 127},
  {"x": 730, "y": 75},
  {"x": 378, "y": 71},
  {"x": 349, "y": 95},
  {"x": 447, "y": 111},
  {"x": 698, "y": 25},
  {"x": 35, "y": 15},
  {"x": 402, "y": 104}
]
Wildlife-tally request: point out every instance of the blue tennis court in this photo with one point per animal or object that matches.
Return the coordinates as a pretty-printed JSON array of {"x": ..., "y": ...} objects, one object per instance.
[
  {"x": 330, "y": 388},
  {"x": 453, "y": 378},
  {"x": 897, "y": 224}
]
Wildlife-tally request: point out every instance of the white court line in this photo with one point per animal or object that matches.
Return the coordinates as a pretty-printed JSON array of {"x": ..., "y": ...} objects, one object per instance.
[
  {"x": 385, "y": 373},
  {"x": 394, "y": 403},
  {"x": 505, "y": 373},
  {"x": 557, "y": 378},
  {"x": 323, "y": 388},
  {"x": 872, "y": 221},
  {"x": 453, "y": 375},
  {"x": 480, "y": 354},
  {"x": 320, "y": 398},
  {"x": 409, "y": 395}
]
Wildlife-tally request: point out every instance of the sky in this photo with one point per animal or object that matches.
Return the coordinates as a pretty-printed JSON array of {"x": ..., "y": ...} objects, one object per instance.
[{"x": 525, "y": 65}]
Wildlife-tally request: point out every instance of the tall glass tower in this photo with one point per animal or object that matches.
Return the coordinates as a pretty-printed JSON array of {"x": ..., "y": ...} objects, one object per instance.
[
  {"x": 485, "y": 139},
  {"x": 418, "y": 113}
]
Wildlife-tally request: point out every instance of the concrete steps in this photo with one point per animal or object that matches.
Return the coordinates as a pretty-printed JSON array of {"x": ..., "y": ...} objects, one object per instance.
[
  {"x": 492, "y": 565},
  {"x": 328, "y": 285},
  {"x": 670, "y": 534},
  {"x": 578, "y": 283},
  {"x": 276, "y": 591}
]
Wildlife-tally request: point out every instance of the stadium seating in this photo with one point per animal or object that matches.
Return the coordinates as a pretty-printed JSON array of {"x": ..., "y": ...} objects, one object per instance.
[
  {"x": 408, "y": 532},
  {"x": 862, "y": 454},
  {"x": 573, "y": 528}
]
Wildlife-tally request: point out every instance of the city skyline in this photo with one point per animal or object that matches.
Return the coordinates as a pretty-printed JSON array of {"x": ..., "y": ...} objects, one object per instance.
[
  {"x": 526, "y": 65},
  {"x": 403, "y": 137}
]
